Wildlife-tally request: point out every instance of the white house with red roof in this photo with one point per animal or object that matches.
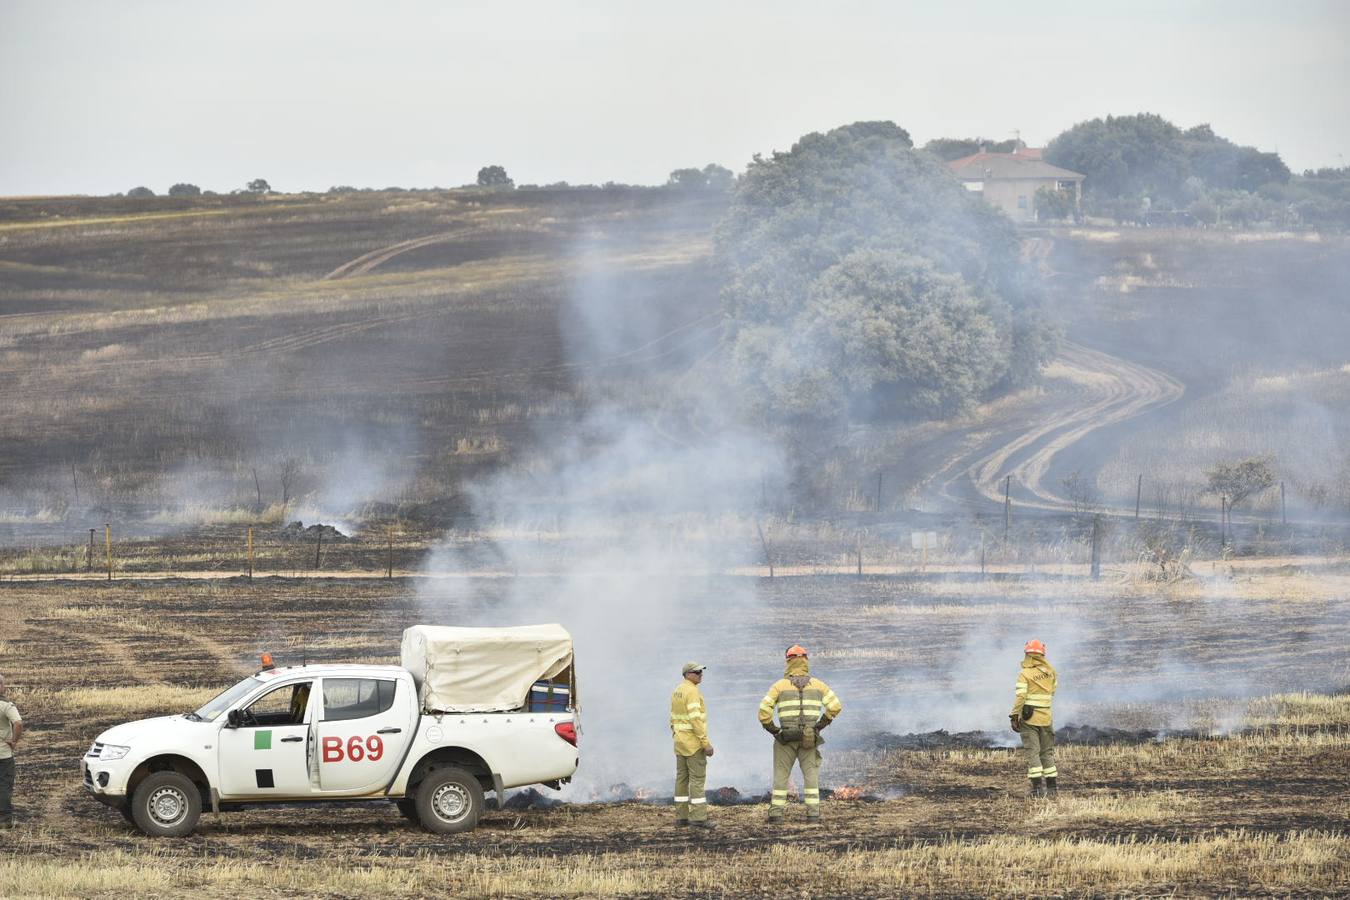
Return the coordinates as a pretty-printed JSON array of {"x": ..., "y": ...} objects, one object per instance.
[{"x": 1010, "y": 180}]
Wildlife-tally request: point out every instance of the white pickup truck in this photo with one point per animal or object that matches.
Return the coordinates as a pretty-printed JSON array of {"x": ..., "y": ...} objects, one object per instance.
[{"x": 470, "y": 710}]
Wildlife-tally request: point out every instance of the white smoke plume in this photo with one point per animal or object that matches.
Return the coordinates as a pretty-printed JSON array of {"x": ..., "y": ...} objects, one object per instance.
[{"x": 613, "y": 530}]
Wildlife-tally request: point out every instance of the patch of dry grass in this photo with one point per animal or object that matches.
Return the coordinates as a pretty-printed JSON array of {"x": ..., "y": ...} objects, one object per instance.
[
  {"x": 140, "y": 700},
  {"x": 1303, "y": 861}
]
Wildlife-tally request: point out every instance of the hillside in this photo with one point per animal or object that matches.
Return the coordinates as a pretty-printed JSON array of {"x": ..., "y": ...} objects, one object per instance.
[
  {"x": 159, "y": 353},
  {"x": 356, "y": 357}
]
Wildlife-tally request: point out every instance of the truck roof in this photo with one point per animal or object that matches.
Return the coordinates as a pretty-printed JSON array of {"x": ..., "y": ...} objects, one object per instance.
[{"x": 321, "y": 669}]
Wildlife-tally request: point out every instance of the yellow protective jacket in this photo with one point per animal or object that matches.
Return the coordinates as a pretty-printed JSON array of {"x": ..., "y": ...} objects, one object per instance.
[
  {"x": 1035, "y": 688},
  {"x": 688, "y": 719},
  {"x": 798, "y": 700}
]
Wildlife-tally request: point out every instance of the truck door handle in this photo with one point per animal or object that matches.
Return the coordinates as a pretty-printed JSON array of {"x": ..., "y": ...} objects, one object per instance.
[
  {"x": 291, "y": 740},
  {"x": 390, "y": 731}
]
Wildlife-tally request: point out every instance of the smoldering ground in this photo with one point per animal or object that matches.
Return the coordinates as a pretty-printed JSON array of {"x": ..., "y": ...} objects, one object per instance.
[{"x": 627, "y": 520}]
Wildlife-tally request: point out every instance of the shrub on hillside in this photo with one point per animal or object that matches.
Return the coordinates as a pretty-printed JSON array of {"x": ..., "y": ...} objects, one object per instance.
[
  {"x": 1242, "y": 479},
  {"x": 863, "y": 281},
  {"x": 494, "y": 176},
  {"x": 1055, "y": 204}
]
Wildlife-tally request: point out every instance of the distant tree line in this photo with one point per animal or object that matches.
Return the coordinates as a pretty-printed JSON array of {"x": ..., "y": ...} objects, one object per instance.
[
  {"x": 711, "y": 177},
  {"x": 187, "y": 189},
  {"x": 1144, "y": 169},
  {"x": 950, "y": 149}
]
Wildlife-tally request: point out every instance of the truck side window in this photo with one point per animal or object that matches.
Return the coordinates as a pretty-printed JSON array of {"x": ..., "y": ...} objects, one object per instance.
[
  {"x": 356, "y": 698},
  {"x": 283, "y": 706}
]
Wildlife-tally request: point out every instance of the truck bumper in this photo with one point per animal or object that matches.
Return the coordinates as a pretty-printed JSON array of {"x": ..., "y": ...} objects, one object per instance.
[{"x": 104, "y": 781}]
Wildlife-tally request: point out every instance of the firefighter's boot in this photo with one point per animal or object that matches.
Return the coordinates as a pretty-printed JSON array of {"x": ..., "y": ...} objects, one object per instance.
[
  {"x": 1036, "y": 787},
  {"x": 1051, "y": 787}
]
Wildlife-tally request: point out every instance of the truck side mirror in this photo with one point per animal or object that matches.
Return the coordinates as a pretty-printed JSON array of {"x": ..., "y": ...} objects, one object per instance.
[{"x": 234, "y": 719}]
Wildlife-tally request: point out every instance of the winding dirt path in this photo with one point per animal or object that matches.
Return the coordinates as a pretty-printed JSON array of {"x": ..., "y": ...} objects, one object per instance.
[
  {"x": 366, "y": 262},
  {"x": 1105, "y": 390}
]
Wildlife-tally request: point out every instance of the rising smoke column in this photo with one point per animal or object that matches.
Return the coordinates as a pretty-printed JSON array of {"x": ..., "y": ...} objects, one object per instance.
[{"x": 614, "y": 529}]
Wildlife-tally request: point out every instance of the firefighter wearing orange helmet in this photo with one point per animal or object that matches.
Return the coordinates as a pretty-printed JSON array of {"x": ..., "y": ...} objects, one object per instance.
[
  {"x": 803, "y": 706},
  {"x": 1031, "y": 719}
]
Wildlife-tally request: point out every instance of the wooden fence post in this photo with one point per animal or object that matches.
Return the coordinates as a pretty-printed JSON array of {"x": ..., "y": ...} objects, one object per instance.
[
  {"x": 107, "y": 541},
  {"x": 318, "y": 544},
  {"x": 1284, "y": 512},
  {"x": 1138, "y": 495},
  {"x": 389, "y": 562},
  {"x": 1007, "y": 510},
  {"x": 89, "y": 555},
  {"x": 1223, "y": 521},
  {"x": 1096, "y": 565},
  {"x": 250, "y": 553}
]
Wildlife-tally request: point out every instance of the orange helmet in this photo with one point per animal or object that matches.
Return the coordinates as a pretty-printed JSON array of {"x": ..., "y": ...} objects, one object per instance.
[
  {"x": 1034, "y": 646},
  {"x": 796, "y": 650}
]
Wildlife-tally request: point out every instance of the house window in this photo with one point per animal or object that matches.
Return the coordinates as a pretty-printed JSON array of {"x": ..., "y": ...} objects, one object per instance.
[
  {"x": 976, "y": 186},
  {"x": 1063, "y": 185},
  {"x": 1022, "y": 202}
]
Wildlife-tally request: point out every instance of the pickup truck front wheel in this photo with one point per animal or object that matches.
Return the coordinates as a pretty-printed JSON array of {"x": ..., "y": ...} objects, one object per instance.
[
  {"x": 166, "y": 804},
  {"x": 449, "y": 801}
]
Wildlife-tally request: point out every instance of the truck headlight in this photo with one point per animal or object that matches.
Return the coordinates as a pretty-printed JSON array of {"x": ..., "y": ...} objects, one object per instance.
[{"x": 113, "y": 751}]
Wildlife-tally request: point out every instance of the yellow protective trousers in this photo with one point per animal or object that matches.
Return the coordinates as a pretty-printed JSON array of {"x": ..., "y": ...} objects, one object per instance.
[
  {"x": 784, "y": 757},
  {"x": 691, "y": 799},
  {"x": 1038, "y": 745}
]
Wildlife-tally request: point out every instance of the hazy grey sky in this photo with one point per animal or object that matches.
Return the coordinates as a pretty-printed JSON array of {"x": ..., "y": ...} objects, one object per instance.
[{"x": 97, "y": 97}]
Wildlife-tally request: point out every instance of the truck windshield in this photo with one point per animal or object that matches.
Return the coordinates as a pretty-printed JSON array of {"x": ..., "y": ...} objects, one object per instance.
[{"x": 224, "y": 700}]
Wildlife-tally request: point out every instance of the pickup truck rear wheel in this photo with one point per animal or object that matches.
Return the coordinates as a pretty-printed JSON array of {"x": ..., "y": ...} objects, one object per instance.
[
  {"x": 166, "y": 804},
  {"x": 449, "y": 801}
]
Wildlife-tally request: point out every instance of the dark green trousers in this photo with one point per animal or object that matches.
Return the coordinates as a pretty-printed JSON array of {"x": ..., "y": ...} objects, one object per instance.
[{"x": 6, "y": 790}]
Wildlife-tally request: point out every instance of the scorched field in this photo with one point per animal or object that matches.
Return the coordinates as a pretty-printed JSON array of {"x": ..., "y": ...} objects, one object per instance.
[{"x": 1203, "y": 747}]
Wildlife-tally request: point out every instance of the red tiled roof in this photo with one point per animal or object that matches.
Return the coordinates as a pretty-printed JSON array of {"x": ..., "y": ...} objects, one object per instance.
[{"x": 1025, "y": 163}]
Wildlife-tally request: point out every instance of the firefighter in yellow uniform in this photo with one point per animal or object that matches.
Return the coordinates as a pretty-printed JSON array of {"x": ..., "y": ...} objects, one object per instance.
[
  {"x": 803, "y": 706},
  {"x": 1031, "y": 719},
  {"x": 689, "y": 727}
]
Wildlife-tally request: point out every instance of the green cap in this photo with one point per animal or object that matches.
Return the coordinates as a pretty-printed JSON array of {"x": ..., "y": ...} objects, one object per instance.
[{"x": 692, "y": 667}]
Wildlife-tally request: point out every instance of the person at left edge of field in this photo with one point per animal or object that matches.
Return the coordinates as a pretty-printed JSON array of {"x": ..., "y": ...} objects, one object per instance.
[
  {"x": 11, "y": 729},
  {"x": 689, "y": 728}
]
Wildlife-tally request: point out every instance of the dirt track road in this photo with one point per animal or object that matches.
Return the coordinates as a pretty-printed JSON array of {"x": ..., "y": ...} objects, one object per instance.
[{"x": 1092, "y": 390}]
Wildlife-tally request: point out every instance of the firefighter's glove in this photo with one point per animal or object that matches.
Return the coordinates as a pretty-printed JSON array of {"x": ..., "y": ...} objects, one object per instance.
[
  {"x": 771, "y": 728},
  {"x": 824, "y": 720},
  {"x": 1015, "y": 722},
  {"x": 789, "y": 735}
]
